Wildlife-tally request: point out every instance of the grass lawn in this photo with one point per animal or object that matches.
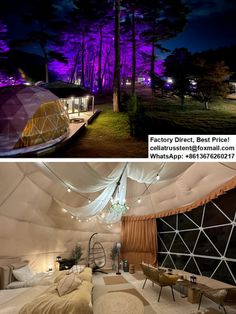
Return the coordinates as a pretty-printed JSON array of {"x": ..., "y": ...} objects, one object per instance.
[
  {"x": 107, "y": 137},
  {"x": 166, "y": 117}
]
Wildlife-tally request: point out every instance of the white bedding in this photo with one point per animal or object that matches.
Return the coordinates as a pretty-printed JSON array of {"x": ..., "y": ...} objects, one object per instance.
[
  {"x": 11, "y": 301},
  {"x": 42, "y": 279}
]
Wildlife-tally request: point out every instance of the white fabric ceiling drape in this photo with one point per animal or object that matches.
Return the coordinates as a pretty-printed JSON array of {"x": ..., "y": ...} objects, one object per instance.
[{"x": 82, "y": 178}]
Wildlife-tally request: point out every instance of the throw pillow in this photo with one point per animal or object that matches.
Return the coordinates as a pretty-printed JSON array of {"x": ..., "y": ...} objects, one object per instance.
[
  {"x": 16, "y": 285},
  {"x": 220, "y": 293},
  {"x": 168, "y": 279},
  {"x": 23, "y": 274},
  {"x": 76, "y": 269},
  {"x": 68, "y": 284}
]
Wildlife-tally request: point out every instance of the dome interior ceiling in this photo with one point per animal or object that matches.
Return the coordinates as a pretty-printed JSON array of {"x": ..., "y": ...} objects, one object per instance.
[{"x": 33, "y": 191}]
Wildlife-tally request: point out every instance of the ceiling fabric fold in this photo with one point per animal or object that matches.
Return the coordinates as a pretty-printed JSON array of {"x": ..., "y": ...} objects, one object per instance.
[
  {"x": 35, "y": 194},
  {"x": 94, "y": 207},
  {"x": 81, "y": 178},
  {"x": 118, "y": 175}
]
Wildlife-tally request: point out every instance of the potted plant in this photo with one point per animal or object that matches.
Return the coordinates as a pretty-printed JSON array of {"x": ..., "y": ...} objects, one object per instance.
[
  {"x": 77, "y": 253},
  {"x": 113, "y": 255}
]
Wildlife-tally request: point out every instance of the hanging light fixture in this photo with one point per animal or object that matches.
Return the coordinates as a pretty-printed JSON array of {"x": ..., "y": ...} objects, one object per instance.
[{"x": 118, "y": 208}]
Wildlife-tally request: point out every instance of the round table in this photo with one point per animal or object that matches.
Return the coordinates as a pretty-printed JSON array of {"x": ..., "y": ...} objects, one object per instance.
[{"x": 117, "y": 303}]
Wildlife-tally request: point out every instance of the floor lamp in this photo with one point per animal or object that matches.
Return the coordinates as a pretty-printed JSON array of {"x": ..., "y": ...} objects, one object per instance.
[{"x": 118, "y": 245}]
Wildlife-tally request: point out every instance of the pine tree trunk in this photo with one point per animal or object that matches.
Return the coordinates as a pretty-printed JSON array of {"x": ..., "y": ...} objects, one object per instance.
[
  {"x": 74, "y": 67},
  {"x": 116, "y": 83},
  {"x": 92, "y": 75},
  {"x": 46, "y": 72},
  {"x": 152, "y": 71},
  {"x": 82, "y": 59},
  {"x": 45, "y": 61},
  {"x": 133, "y": 53},
  {"x": 100, "y": 62}
]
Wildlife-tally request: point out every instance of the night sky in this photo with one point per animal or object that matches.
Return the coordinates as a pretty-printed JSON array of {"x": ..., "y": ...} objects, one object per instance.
[{"x": 211, "y": 24}]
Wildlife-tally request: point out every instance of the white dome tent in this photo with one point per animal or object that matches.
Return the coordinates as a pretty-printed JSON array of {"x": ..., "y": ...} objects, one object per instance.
[{"x": 35, "y": 200}]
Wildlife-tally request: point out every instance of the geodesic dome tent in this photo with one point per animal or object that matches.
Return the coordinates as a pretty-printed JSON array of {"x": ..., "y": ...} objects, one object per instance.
[{"x": 30, "y": 115}]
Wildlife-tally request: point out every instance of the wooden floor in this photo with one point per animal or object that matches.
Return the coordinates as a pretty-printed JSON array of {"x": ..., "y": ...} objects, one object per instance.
[{"x": 150, "y": 293}]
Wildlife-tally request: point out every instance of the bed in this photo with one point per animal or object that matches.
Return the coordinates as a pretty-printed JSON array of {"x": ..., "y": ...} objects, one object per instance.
[{"x": 49, "y": 293}]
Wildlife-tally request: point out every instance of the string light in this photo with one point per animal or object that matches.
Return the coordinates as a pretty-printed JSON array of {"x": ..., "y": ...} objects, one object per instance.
[
  {"x": 157, "y": 178},
  {"x": 68, "y": 188}
]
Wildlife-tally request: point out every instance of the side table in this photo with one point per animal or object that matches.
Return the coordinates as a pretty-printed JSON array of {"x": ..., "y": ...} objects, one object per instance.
[{"x": 193, "y": 294}]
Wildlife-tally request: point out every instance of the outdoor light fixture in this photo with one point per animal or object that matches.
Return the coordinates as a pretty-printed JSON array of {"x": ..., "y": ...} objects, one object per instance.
[
  {"x": 169, "y": 80},
  {"x": 118, "y": 246}
]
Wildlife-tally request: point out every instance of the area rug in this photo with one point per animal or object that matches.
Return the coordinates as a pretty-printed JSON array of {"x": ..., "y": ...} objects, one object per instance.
[
  {"x": 114, "y": 280},
  {"x": 135, "y": 293},
  {"x": 207, "y": 311},
  {"x": 139, "y": 276}
]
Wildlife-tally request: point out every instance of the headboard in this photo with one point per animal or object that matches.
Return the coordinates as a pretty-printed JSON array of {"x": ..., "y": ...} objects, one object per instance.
[{"x": 6, "y": 267}]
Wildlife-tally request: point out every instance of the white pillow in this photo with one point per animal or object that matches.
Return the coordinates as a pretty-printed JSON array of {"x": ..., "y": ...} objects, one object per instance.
[
  {"x": 16, "y": 285},
  {"x": 220, "y": 293},
  {"x": 23, "y": 274}
]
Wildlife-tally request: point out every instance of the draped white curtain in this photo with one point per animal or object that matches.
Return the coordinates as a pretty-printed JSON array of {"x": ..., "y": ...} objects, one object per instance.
[{"x": 82, "y": 178}]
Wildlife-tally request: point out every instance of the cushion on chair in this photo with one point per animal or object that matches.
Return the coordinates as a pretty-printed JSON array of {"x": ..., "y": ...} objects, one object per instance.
[
  {"x": 219, "y": 293},
  {"x": 165, "y": 279}
]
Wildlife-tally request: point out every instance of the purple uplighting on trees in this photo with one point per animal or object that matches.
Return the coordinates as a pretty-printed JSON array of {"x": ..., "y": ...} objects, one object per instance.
[
  {"x": 3, "y": 42},
  {"x": 70, "y": 71},
  {"x": 5, "y": 78}
]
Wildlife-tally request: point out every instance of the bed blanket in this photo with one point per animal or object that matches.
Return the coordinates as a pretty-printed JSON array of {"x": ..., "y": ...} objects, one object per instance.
[{"x": 49, "y": 302}]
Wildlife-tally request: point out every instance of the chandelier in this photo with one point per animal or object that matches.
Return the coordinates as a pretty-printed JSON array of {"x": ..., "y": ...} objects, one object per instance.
[{"x": 118, "y": 208}]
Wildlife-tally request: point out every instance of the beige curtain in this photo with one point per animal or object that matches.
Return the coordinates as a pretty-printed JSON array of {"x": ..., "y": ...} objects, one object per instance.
[{"x": 139, "y": 241}]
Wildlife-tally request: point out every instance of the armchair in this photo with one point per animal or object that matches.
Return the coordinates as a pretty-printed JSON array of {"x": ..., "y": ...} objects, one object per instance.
[
  {"x": 222, "y": 297},
  {"x": 157, "y": 276}
]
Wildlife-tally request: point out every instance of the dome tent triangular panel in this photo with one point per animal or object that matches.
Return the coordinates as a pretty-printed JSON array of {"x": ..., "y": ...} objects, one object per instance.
[{"x": 20, "y": 106}]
